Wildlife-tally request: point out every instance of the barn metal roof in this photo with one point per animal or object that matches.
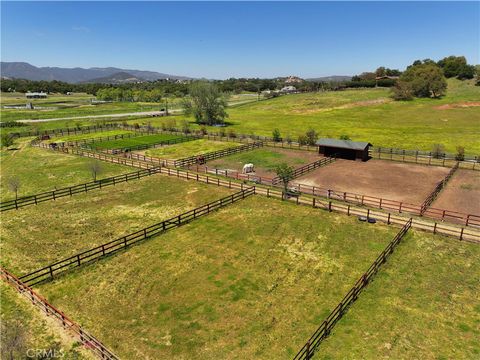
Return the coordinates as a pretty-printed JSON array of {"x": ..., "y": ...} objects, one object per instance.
[{"x": 343, "y": 144}]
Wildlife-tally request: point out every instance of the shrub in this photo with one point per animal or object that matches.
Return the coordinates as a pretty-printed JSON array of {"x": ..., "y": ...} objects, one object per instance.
[
  {"x": 460, "y": 156},
  {"x": 203, "y": 130},
  {"x": 185, "y": 127},
  {"x": 344, "y": 137},
  {"x": 302, "y": 140},
  {"x": 438, "y": 151},
  {"x": 231, "y": 133},
  {"x": 402, "y": 91},
  {"x": 288, "y": 139},
  {"x": 222, "y": 132},
  {"x": 276, "y": 135},
  {"x": 311, "y": 136}
]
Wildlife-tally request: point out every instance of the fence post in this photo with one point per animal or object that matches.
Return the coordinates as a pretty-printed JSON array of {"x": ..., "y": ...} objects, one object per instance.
[
  {"x": 461, "y": 234},
  {"x": 388, "y": 220},
  {"x": 330, "y": 206}
]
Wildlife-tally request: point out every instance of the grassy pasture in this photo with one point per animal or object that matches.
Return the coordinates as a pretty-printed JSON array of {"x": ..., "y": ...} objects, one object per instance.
[
  {"x": 368, "y": 115},
  {"x": 226, "y": 285},
  {"x": 138, "y": 140},
  {"x": 37, "y": 332},
  {"x": 190, "y": 148},
  {"x": 423, "y": 304},
  {"x": 265, "y": 159},
  {"x": 36, "y": 236},
  {"x": 42, "y": 170},
  {"x": 88, "y": 136}
]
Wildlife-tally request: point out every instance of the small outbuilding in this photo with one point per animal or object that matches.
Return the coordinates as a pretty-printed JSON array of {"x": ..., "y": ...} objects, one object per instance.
[
  {"x": 36, "y": 95},
  {"x": 345, "y": 149}
]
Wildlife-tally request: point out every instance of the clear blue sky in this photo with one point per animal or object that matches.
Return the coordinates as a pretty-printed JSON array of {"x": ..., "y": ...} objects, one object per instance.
[{"x": 234, "y": 39}]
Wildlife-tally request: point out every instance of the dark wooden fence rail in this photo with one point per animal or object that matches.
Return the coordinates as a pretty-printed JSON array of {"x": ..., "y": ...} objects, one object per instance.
[
  {"x": 411, "y": 156},
  {"x": 76, "y": 189},
  {"x": 419, "y": 153},
  {"x": 459, "y": 233},
  {"x": 217, "y": 154},
  {"x": 151, "y": 145},
  {"x": 441, "y": 184},
  {"x": 86, "y": 142},
  {"x": 307, "y": 351},
  {"x": 88, "y": 256},
  {"x": 89, "y": 341},
  {"x": 68, "y": 131},
  {"x": 306, "y": 168}
]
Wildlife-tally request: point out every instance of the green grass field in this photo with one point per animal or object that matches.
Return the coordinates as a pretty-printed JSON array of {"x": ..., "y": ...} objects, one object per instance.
[
  {"x": 265, "y": 158},
  {"x": 190, "y": 148},
  {"x": 42, "y": 170},
  {"x": 223, "y": 284},
  {"x": 29, "y": 328},
  {"x": 35, "y": 236},
  {"x": 368, "y": 115},
  {"x": 88, "y": 136},
  {"x": 138, "y": 140},
  {"x": 423, "y": 304}
]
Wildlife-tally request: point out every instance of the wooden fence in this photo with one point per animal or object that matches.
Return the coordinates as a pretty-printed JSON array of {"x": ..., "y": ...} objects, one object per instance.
[
  {"x": 152, "y": 145},
  {"x": 217, "y": 154},
  {"x": 86, "y": 142},
  {"x": 76, "y": 189},
  {"x": 306, "y": 168},
  {"x": 111, "y": 247},
  {"x": 87, "y": 340},
  {"x": 419, "y": 153},
  {"x": 413, "y": 156},
  {"x": 441, "y": 184},
  {"x": 422, "y": 224},
  {"x": 307, "y": 351},
  {"x": 68, "y": 131}
]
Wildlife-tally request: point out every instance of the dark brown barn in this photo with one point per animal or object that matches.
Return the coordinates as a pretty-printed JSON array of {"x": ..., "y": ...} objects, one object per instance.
[{"x": 345, "y": 149}]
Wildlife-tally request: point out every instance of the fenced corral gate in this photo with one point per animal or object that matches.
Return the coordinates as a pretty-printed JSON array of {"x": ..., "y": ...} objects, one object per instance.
[
  {"x": 89, "y": 341},
  {"x": 433, "y": 195},
  {"x": 111, "y": 247},
  {"x": 307, "y": 351}
]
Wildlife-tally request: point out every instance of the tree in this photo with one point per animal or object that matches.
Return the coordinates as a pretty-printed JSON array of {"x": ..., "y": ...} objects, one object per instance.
[
  {"x": 14, "y": 185},
  {"x": 423, "y": 80},
  {"x": 381, "y": 71},
  {"x": 206, "y": 103},
  {"x": 6, "y": 140},
  {"x": 311, "y": 136},
  {"x": 460, "y": 156},
  {"x": 285, "y": 174},
  {"x": 438, "y": 151},
  {"x": 185, "y": 127},
  {"x": 456, "y": 66},
  {"x": 276, "y": 135},
  {"x": 95, "y": 169},
  {"x": 402, "y": 91}
]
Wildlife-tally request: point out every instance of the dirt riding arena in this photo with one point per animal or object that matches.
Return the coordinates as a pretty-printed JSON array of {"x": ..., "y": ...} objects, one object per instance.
[
  {"x": 264, "y": 160},
  {"x": 385, "y": 179},
  {"x": 461, "y": 194}
]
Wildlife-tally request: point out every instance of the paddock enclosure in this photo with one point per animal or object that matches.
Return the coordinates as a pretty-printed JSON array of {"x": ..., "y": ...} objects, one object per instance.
[
  {"x": 461, "y": 194},
  {"x": 248, "y": 290},
  {"x": 385, "y": 179},
  {"x": 264, "y": 160}
]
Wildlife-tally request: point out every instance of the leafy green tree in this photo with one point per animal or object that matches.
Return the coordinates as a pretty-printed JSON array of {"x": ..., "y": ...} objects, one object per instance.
[
  {"x": 311, "y": 136},
  {"x": 424, "y": 80},
  {"x": 276, "y": 135},
  {"x": 456, "y": 66},
  {"x": 460, "y": 156},
  {"x": 438, "y": 151},
  {"x": 285, "y": 174},
  {"x": 14, "y": 185},
  {"x": 206, "y": 103}
]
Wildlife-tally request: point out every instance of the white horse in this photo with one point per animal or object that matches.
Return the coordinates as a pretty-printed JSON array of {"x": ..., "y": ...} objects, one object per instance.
[{"x": 248, "y": 168}]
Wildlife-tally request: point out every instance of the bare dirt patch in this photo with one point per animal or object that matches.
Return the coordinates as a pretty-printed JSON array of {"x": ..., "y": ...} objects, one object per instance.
[
  {"x": 461, "y": 194},
  {"x": 458, "y": 105},
  {"x": 385, "y": 179}
]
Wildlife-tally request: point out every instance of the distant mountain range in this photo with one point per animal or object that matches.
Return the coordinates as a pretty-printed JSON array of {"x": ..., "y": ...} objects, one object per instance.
[
  {"x": 23, "y": 70},
  {"x": 333, "y": 78}
]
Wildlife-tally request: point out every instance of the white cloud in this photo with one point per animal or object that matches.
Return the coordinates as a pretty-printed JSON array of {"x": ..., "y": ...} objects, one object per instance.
[{"x": 83, "y": 29}]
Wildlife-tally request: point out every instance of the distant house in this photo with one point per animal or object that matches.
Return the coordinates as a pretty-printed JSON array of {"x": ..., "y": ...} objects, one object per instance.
[
  {"x": 293, "y": 79},
  {"x": 36, "y": 95},
  {"x": 386, "y": 77},
  {"x": 289, "y": 89}
]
